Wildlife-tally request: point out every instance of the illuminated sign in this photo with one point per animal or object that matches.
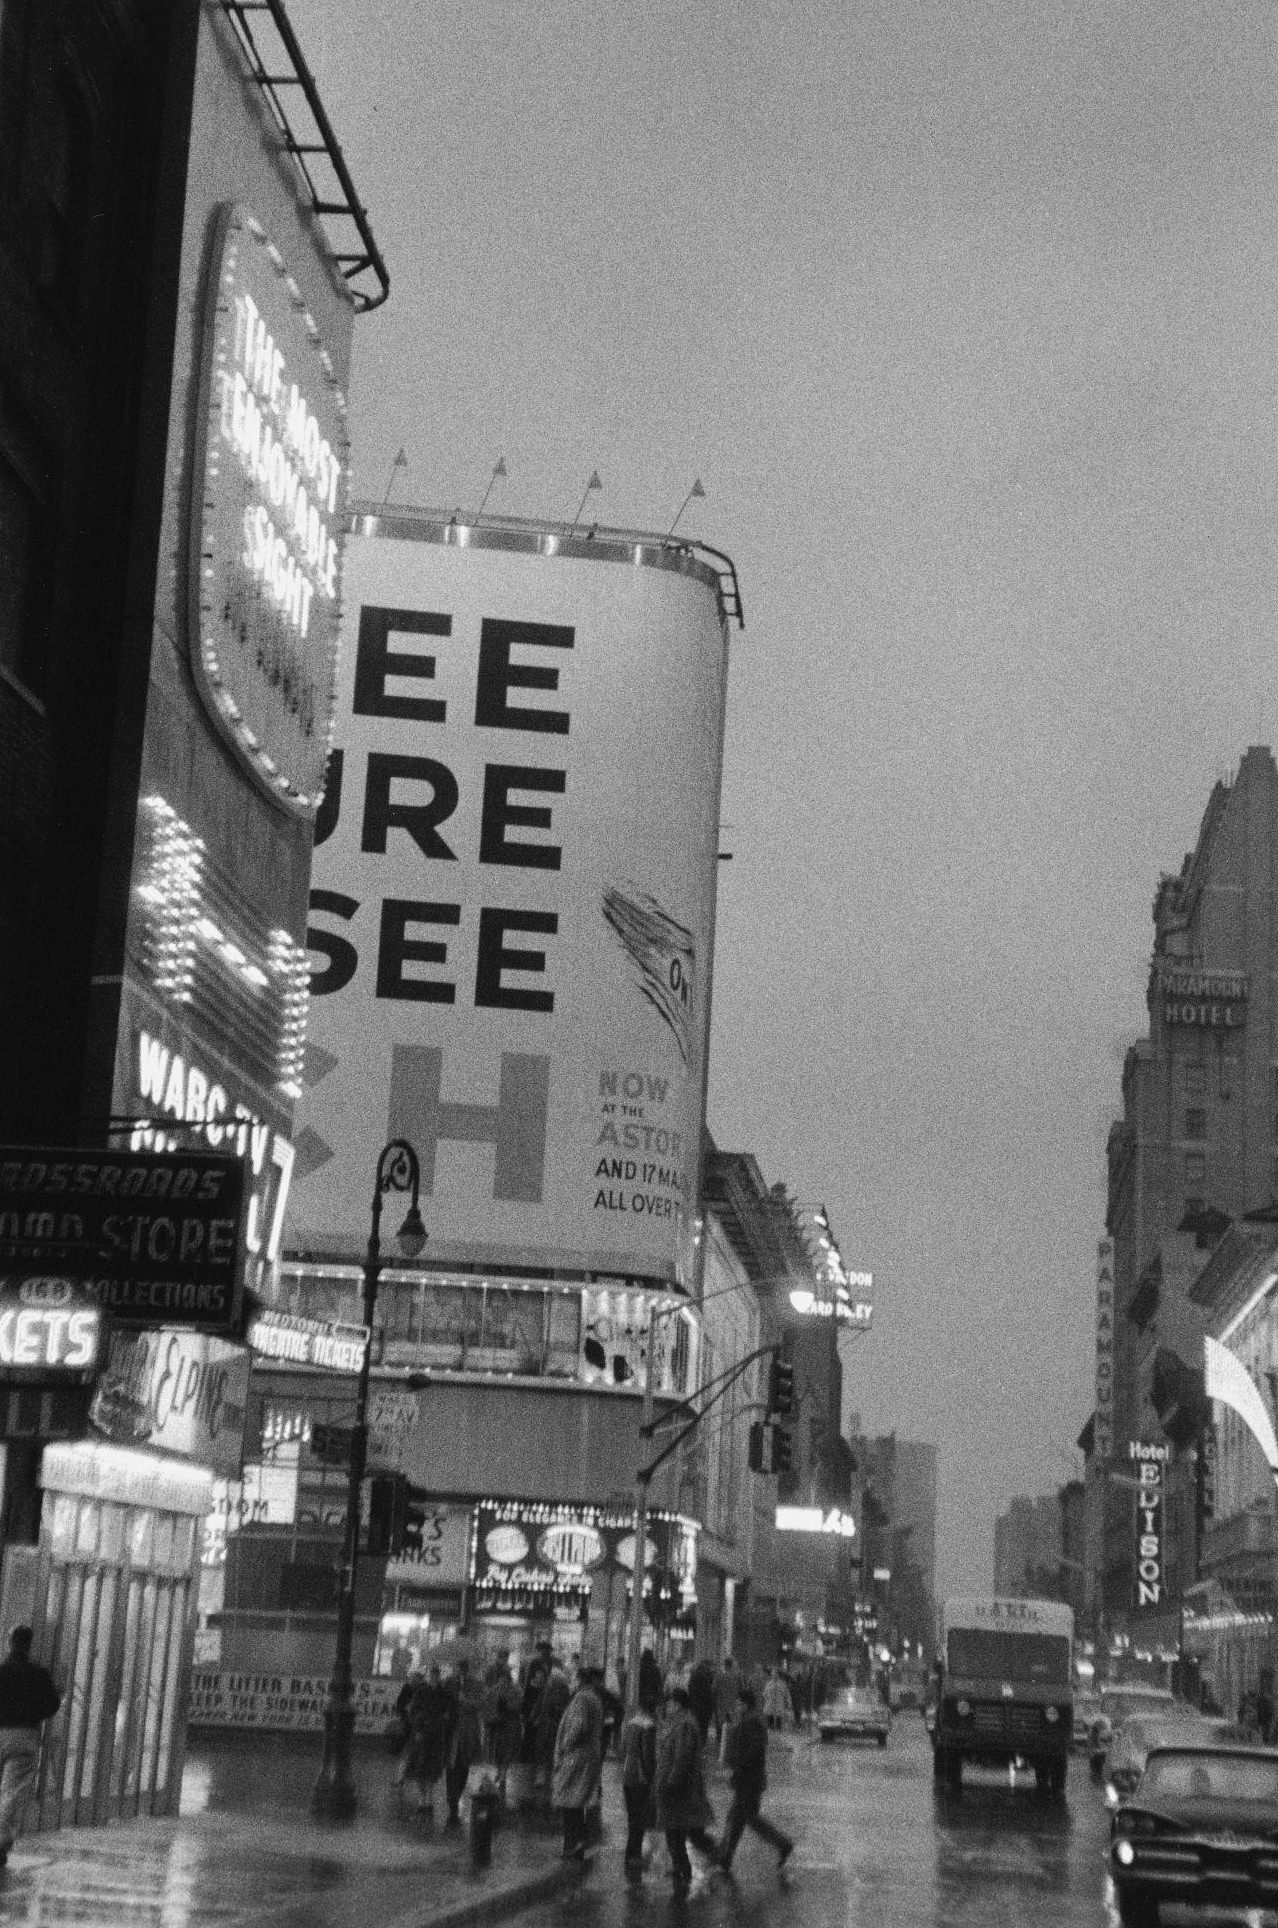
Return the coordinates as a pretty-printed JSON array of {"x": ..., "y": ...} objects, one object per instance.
[
  {"x": 571, "y": 1548},
  {"x": 1103, "y": 1424},
  {"x": 169, "y": 1084},
  {"x": 848, "y": 1311},
  {"x": 524, "y": 1549},
  {"x": 151, "y": 1235},
  {"x": 1209, "y": 1000},
  {"x": 266, "y": 540},
  {"x": 1150, "y": 1461},
  {"x": 297, "y": 1341},
  {"x": 49, "y": 1329},
  {"x": 210, "y": 959},
  {"x": 816, "y": 1519}
]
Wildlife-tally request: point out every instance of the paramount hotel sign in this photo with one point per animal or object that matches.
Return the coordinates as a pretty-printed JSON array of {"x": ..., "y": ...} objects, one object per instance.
[{"x": 1211, "y": 1000}]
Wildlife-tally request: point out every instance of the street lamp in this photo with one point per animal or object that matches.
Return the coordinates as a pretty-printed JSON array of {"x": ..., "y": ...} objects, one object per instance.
[{"x": 334, "y": 1798}]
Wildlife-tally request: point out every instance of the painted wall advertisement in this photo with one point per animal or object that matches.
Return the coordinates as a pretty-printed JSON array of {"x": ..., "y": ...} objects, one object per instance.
[
  {"x": 286, "y": 1702},
  {"x": 181, "y": 1392},
  {"x": 513, "y": 901},
  {"x": 440, "y": 1557}
]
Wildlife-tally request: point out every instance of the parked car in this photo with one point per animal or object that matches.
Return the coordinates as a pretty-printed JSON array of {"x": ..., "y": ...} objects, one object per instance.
[
  {"x": 1119, "y": 1701},
  {"x": 1200, "y": 1827},
  {"x": 855, "y": 1713}
]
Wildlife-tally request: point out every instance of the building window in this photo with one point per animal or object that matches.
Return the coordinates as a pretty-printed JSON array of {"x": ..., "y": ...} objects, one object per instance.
[
  {"x": 1196, "y": 1122},
  {"x": 1228, "y": 1074},
  {"x": 1195, "y": 1168},
  {"x": 1195, "y": 1079}
]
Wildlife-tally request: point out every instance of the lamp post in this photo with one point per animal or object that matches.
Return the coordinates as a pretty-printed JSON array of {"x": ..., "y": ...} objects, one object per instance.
[{"x": 333, "y": 1798}]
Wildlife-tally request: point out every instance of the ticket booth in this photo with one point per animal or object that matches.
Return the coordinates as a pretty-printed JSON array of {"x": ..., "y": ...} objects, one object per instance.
[{"x": 114, "y": 1619}]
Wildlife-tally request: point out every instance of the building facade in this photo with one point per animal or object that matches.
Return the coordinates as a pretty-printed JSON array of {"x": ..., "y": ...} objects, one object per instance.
[
  {"x": 1193, "y": 1151},
  {"x": 803, "y": 1558},
  {"x": 897, "y": 1573}
]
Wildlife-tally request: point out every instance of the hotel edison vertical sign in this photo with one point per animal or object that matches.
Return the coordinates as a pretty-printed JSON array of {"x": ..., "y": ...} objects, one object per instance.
[{"x": 269, "y": 496}]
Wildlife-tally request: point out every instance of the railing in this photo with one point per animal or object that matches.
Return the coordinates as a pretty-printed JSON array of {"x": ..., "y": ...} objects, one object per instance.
[{"x": 275, "y": 61}]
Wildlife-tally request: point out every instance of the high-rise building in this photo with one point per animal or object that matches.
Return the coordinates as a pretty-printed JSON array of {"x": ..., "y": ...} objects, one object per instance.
[
  {"x": 1038, "y": 1547},
  {"x": 897, "y": 1479},
  {"x": 1193, "y": 1151}
]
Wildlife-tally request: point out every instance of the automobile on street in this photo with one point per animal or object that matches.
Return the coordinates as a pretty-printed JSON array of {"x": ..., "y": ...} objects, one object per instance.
[
  {"x": 1200, "y": 1827},
  {"x": 855, "y": 1713}
]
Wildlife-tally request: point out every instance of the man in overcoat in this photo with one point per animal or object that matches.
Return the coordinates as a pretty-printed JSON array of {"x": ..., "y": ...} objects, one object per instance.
[
  {"x": 578, "y": 1761},
  {"x": 683, "y": 1806}
]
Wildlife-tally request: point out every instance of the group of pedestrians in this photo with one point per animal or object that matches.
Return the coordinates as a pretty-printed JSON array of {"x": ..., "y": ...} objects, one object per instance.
[
  {"x": 559, "y": 1731},
  {"x": 442, "y": 1735},
  {"x": 663, "y": 1772}
]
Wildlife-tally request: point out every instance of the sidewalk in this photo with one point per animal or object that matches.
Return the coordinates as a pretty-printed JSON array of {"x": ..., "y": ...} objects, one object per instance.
[{"x": 245, "y": 1852}]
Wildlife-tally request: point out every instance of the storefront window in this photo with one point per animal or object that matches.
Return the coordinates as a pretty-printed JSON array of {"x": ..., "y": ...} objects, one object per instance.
[
  {"x": 513, "y": 1329},
  {"x": 564, "y": 1335},
  {"x": 516, "y": 1327}
]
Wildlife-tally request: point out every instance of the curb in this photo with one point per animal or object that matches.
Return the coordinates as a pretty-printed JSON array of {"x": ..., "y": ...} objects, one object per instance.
[{"x": 494, "y": 1904}]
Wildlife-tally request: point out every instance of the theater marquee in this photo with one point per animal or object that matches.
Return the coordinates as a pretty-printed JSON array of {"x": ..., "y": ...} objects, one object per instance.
[{"x": 269, "y": 493}]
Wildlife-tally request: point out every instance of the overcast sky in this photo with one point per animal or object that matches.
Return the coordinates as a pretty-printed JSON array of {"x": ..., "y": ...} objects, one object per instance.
[{"x": 964, "y": 317}]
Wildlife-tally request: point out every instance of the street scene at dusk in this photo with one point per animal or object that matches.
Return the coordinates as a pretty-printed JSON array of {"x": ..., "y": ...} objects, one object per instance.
[{"x": 638, "y": 961}]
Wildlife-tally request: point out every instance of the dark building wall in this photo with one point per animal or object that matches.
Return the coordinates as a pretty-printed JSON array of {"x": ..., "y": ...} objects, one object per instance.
[{"x": 84, "y": 198}]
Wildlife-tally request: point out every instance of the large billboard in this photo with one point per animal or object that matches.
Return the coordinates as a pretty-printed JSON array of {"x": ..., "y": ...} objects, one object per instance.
[{"x": 512, "y": 907}]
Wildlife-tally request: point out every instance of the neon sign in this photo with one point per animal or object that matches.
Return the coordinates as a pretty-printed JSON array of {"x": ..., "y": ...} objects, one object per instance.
[
  {"x": 47, "y": 1330},
  {"x": 816, "y": 1519}
]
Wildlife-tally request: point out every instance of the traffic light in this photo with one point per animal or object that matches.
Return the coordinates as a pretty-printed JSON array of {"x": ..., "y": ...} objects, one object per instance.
[
  {"x": 780, "y": 1387},
  {"x": 771, "y": 1449},
  {"x": 387, "y": 1510}
]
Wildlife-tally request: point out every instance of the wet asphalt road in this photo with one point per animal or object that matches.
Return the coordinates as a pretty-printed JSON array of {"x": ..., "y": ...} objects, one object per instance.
[{"x": 880, "y": 1847}]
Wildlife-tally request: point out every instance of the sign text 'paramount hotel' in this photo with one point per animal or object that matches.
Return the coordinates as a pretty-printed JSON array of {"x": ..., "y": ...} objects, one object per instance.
[{"x": 1210, "y": 1000}]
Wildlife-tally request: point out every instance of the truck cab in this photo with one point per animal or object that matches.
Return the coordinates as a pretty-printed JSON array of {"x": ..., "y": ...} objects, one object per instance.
[{"x": 1004, "y": 1688}]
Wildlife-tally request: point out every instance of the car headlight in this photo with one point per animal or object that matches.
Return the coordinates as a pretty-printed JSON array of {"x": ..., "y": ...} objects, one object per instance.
[
  {"x": 1052, "y": 1715},
  {"x": 963, "y": 1708},
  {"x": 1124, "y": 1853}
]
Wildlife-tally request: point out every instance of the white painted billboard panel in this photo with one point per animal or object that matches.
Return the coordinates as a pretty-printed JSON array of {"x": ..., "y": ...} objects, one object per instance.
[{"x": 513, "y": 903}]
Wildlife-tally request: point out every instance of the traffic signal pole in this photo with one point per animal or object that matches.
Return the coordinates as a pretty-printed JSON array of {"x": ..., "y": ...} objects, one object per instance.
[{"x": 643, "y": 1480}]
